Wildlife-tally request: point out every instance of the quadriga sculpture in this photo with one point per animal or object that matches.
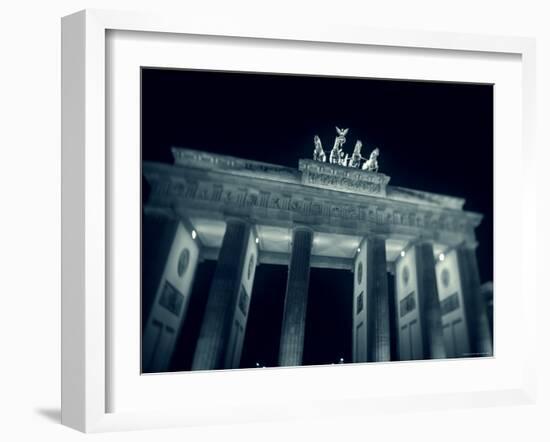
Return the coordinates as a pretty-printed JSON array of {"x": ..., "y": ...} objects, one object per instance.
[
  {"x": 337, "y": 155},
  {"x": 371, "y": 165}
]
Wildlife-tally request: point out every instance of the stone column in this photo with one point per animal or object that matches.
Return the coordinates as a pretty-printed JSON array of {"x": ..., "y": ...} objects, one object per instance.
[
  {"x": 170, "y": 258},
  {"x": 475, "y": 312},
  {"x": 213, "y": 349},
  {"x": 428, "y": 303},
  {"x": 371, "y": 320},
  {"x": 487, "y": 296},
  {"x": 418, "y": 309},
  {"x": 294, "y": 316},
  {"x": 158, "y": 232},
  {"x": 466, "y": 327}
]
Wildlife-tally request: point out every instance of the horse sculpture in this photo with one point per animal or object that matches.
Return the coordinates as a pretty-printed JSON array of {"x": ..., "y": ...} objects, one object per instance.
[
  {"x": 371, "y": 165},
  {"x": 318, "y": 152},
  {"x": 355, "y": 160}
]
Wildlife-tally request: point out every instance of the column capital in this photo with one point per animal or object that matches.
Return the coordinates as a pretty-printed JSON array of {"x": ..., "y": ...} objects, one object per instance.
[
  {"x": 160, "y": 212},
  {"x": 381, "y": 236},
  {"x": 469, "y": 245},
  {"x": 414, "y": 242},
  {"x": 233, "y": 219},
  {"x": 370, "y": 239},
  {"x": 464, "y": 245},
  {"x": 420, "y": 240},
  {"x": 302, "y": 228}
]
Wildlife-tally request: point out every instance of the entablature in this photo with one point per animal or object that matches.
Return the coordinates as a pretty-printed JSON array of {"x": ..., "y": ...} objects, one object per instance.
[{"x": 218, "y": 193}]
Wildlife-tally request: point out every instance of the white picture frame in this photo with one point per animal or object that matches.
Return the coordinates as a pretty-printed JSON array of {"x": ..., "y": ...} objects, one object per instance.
[{"x": 87, "y": 319}]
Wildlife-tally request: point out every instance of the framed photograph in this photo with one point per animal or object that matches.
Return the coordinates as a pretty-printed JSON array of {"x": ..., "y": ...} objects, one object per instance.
[{"x": 264, "y": 222}]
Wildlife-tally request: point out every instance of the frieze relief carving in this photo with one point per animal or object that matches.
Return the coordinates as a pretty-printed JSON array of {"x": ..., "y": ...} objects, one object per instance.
[
  {"x": 204, "y": 160},
  {"x": 312, "y": 173},
  {"x": 338, "y": 182},
  {"x": 164, "y": 191},
  {"x": 334, "y": 176}
]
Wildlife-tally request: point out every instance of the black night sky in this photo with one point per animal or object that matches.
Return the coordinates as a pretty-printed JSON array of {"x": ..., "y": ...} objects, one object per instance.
[{"x": 432, "y": 136}]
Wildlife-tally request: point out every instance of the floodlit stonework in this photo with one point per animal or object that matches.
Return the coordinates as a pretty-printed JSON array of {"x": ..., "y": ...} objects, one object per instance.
[{"x": 321, "y": 214}]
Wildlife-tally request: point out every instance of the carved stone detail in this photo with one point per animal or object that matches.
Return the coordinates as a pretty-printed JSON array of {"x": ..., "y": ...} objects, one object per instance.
[
  {"x": 336, "y": 177},
  {"x": 204, "y": 160},
  {"x": 169, "y": 192}
]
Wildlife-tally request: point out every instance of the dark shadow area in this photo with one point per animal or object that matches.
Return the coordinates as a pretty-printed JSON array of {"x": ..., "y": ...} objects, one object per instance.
[
  {"x": 263, "y": 330},
  {"x": 190, "y": 329},
  {"x": 51, "y": 414},
  {"x": 329, "y": 317}
]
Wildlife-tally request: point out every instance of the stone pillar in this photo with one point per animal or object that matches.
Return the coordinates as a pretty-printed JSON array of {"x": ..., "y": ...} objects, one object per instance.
[
  {"x": 222, "y": 331},
  {"x": 294, "y": 316},
  {"x": 430, "y": 311},
  {"x": 170, "y": 259},
  {"x": 241, "y": 308},
  {"x": 464, "y": 316},
  {"x": 418, "y": 309},
  {"x": 371, "y": 320},
  {"x": 158, "y": 232},
  {"x": 476, "y": 314},
  {"x": 487, "y": 296}
]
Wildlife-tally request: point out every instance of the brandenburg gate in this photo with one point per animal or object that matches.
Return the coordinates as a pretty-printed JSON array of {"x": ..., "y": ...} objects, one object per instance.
[{"x": 325, "y": 214}]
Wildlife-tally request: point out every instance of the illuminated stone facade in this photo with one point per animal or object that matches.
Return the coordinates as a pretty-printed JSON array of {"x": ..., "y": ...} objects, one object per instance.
[{"x": 244, "y": 213}]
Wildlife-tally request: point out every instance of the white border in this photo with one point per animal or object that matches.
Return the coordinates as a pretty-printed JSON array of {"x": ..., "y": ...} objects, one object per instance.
[
  {"x": 130, "y": 392},
  {"x": 84, "y": 202}
]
